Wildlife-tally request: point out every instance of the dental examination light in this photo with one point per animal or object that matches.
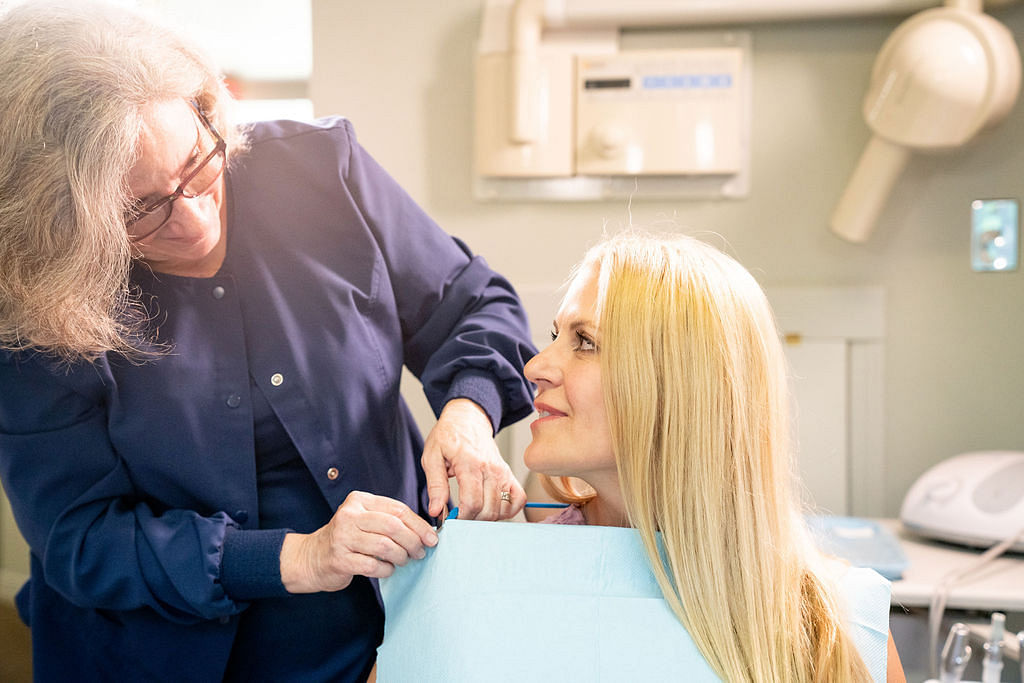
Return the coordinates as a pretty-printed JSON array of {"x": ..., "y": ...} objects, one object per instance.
[{"x": 944, "y": 75}]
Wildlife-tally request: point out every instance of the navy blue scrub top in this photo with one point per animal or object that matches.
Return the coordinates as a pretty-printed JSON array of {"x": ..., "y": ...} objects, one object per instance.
[
  {"x": 155, "y": 530},
  {"x": 351, "y": 620}
]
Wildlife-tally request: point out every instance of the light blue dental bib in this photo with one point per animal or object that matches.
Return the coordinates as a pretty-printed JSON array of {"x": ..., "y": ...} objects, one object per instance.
[{"x": 539, "y": 602}]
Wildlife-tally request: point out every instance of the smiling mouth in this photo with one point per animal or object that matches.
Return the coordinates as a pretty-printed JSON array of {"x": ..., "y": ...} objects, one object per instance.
[{"x": 544, "y": 411}]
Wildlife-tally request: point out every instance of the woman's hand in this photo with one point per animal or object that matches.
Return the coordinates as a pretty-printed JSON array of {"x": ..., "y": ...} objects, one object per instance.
[
  {"x": 461, "y": 445},
  {"x": 367, "y": 536}
]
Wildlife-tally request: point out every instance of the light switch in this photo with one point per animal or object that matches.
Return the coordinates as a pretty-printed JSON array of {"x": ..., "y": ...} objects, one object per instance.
[{"x": 995, "y": 232}]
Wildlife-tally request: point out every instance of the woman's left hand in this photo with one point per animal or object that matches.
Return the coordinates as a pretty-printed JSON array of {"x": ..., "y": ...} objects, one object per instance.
[{"x": 461, "y": 445}]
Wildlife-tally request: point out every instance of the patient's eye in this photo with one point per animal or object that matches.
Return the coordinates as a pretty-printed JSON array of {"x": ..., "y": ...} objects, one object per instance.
[{"x": 584, "y": 343}]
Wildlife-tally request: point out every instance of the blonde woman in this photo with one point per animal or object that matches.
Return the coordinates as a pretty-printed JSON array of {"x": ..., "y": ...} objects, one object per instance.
[
  {"x": 664, "y": 390},
  {"x": 203, "y": 330}
]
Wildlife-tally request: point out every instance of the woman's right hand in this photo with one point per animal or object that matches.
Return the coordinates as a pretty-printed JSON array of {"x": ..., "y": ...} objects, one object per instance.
[{"x": 367, "y": 536}]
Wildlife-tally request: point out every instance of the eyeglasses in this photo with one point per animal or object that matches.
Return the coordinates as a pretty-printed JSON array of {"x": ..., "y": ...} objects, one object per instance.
[{"x": 143, "y": 220}]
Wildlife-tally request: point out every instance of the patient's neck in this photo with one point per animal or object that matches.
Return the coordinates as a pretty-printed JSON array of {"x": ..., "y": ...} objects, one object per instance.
[{"x": 605, "y": 510}]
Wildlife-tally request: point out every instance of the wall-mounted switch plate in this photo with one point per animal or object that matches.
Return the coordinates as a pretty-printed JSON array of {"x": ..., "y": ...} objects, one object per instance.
[{"x": 995, "y": 234}]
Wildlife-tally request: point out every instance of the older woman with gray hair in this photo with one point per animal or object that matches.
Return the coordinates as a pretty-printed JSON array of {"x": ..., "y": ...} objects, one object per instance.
[{"x": 202, "y": 334}]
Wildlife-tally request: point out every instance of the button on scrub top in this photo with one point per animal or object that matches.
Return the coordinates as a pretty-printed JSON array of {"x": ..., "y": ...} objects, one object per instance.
[{"x": 266, "y": 647}]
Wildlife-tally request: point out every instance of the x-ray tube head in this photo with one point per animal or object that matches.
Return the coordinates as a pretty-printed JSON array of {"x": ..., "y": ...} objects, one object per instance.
[
  {"x": 868, "y": 190},
  {"x": 943, "y": 75}
]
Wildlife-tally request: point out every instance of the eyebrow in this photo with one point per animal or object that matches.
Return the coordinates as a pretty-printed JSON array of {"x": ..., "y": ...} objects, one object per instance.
[{"x": 576, "y": 325}]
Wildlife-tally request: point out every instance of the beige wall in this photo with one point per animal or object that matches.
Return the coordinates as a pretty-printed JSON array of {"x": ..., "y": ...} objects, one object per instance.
[
  {"x": 402, "y": 72},
  {"x": 14, "y": 561}
]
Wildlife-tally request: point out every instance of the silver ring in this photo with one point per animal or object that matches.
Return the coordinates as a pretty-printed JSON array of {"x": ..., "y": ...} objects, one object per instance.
[{"x": 506, "y": 497}]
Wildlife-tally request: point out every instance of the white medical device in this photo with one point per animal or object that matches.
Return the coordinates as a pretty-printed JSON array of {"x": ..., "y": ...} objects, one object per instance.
[
  {"x": 974, "y": 499},
  {"x": 944, "y": 75},
  {"x": 568, "y": 116},
  {"x": 659, "y": 112},
  {"x": 561, "y": 112}
]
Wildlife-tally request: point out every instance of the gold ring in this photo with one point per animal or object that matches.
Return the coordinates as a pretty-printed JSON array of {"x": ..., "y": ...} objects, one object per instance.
[{"x": 506, "y": 497}]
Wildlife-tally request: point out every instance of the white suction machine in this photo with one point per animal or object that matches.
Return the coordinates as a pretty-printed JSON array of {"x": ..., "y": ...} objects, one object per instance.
[{"x": 975, "y": 499}]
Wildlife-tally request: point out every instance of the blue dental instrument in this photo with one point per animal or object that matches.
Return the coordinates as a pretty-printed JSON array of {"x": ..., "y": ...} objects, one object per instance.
[{"x": 454, "y": 512}]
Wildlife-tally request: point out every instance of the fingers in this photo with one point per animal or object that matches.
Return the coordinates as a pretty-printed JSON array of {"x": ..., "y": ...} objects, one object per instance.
[
  {"x": 436, "y": 472},
  {"x": 387, "y": 538},
  {"x": 492, "y": 501},
  {"x": 378, "y": 516},
  {"x": 471, "y": 478},
  {"x": 480, "y": 493},
  {"x": 518, "y": 496},
  {"x": 461, "y": 444},
  {"x": 369, "y": 536}
]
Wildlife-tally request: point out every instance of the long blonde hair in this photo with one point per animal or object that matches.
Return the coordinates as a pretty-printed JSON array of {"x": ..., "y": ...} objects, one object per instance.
[
  {"x": 76, "y": 79},
  {"x": 696, "y": 395}
]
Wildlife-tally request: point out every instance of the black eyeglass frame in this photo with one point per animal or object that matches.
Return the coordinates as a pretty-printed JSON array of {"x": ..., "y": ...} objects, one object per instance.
[{"x": 220, "y": 148}]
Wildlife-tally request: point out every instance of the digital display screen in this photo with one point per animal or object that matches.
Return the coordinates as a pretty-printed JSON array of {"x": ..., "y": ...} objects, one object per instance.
[
  {"x": 688, "y": 81},
  {"x": 605, "y": 83}
]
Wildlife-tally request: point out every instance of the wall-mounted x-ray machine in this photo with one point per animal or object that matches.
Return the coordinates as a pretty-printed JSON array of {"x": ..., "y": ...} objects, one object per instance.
[
  {"x": 567, "y": 115},
  {"x": 563, "y": 113}
]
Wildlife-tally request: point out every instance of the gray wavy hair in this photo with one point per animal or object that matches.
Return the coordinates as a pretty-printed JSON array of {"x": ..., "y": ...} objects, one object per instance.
[{"x": 76, "y": 78}]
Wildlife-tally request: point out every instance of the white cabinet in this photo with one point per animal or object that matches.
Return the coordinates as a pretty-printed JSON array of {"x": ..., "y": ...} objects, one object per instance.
[{"x": 834, "y": 340}]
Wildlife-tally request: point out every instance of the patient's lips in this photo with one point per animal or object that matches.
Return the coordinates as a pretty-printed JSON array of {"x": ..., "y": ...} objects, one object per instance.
[{"x": 546, "y": 412}]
